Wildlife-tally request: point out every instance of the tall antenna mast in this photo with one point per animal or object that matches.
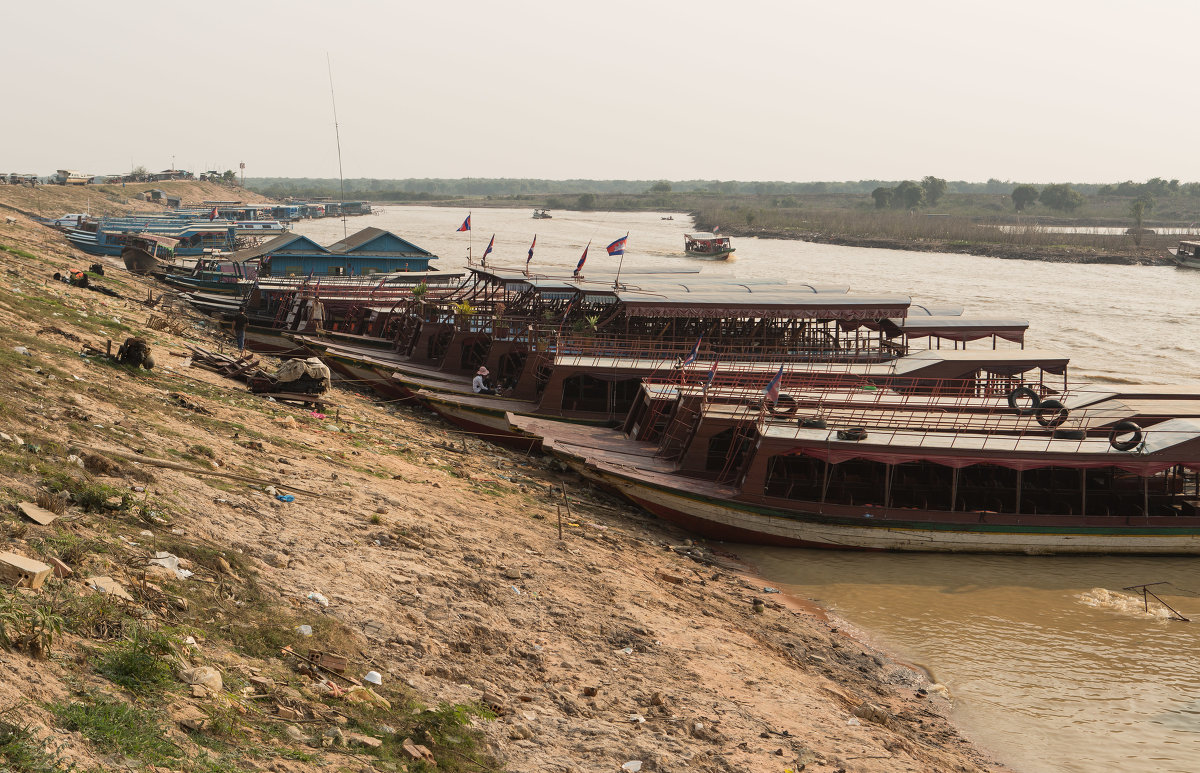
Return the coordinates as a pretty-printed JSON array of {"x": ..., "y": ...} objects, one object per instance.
[{"x": 338, "y": 136}]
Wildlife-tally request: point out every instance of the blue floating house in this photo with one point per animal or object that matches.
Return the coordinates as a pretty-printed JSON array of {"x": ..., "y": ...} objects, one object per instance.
[{"x": 370, "y": 251}]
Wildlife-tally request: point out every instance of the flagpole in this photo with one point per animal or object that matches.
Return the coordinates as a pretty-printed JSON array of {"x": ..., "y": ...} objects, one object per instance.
[
  {"x": 470, "y": 240},
  {"x": 617, "y": 281}
]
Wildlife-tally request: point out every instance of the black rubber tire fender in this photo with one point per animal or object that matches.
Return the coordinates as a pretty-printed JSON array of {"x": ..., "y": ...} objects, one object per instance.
[
  {"x": 1020, "y": 392},
  {"x": 1051, "y": 413},
  {"x": 1125, "y": 427}
]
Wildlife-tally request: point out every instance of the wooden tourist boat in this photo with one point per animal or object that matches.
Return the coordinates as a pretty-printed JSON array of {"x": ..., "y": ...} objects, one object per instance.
[
  {"x": 912, "y": 464},
  {"x": 591, "y": 375},
  {"x": 577, "y": 350},
  {"x": 110, "y": 236},
  {"x": 706, "y": 245}
]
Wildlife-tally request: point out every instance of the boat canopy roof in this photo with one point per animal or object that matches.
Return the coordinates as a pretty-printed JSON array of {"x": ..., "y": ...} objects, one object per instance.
[
  {"x": 510, "y": 274},
  {"x": 934, "y": 311},
  {"x": 165, "y": 241},
  {"x": 1165, "y": 444},
  {"x": 703, "y": 236},
  {"x": 1002, "y": 362},
  {"x": 777, "y": 302},
  {"x": 957, "y": 328}
]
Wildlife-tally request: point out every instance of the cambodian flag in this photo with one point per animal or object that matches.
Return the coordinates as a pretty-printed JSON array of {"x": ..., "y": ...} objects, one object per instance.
[
  {"x": 489, "y": 247},
  {"x": 466, "y": 226},
  {"x": 716, "y": 230},
  {"x": 772, "y": 390},
  {"x": 531, "y": 250},
  {"x": 695, "y": 353},
  {"x": 618, "y": 247},
  {"x": 712, "y": 374},
  {"x": 582, "y": 260},
  {"x": 212, "y": 215}
]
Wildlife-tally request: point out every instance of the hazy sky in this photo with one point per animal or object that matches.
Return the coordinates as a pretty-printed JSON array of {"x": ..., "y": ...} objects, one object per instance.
[{"x": 1053, "y": 90}]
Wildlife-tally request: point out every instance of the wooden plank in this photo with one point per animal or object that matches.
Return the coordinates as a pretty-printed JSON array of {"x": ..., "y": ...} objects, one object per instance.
[{"x": 37, "y": 514}]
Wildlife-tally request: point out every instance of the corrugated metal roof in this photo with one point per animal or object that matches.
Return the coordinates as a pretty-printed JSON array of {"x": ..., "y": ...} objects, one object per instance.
[
  {"x": 770, "y": 303},
  {"x": 274, "y": 245}
]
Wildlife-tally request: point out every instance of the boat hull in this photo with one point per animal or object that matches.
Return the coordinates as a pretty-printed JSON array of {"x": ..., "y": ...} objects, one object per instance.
[
  {"x": 139, "y": 261},
  {"x": 736, "y": 522},
  {"x": 487, "y": 424},
  {"x": 717, "y": 255}
]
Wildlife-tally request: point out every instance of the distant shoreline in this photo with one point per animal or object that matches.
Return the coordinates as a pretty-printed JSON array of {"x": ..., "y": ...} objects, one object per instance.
[{"x": 1144, "y": 257}]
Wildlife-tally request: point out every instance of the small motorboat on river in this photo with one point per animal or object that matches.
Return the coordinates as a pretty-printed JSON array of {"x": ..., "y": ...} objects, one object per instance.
[
  {"x": 1187, "y": 255},
  {"x": 708, "y": 246}
]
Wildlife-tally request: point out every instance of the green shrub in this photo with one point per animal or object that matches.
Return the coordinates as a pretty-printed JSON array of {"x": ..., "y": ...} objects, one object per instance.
[
  {"x": 21, "y": 751},
  {"x": 139, "y": 662},
  {"x": 118, "y": 727}
]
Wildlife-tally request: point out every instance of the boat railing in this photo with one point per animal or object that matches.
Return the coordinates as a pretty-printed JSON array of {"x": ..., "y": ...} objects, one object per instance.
[
  {"x": 658, "y": 348},
  {"x": 983, "y": 414}
]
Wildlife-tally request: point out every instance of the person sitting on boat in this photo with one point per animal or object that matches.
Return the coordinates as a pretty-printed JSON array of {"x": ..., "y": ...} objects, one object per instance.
[{"x": 479, "y": 384}]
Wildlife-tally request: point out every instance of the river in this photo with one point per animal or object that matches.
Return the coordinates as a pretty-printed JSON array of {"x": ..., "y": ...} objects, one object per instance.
[{"x": 1051, "y": 666}]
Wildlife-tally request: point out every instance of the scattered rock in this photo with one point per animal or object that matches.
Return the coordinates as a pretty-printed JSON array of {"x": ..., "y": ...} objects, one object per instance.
[
  {"x": 207, "y": 676},
  {"x": 191, "y": 718},
  {"x": 358, "y": 739}
]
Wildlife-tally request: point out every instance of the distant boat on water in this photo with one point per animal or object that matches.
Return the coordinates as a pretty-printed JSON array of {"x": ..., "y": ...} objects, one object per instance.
[
  {"x": 1187, "y": 255},
  {"x": 706, "y": 245},
  {"x": 541, "y": 214}
]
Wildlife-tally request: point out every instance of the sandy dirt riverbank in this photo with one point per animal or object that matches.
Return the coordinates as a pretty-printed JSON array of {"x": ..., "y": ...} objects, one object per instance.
[{"x": 429, "y": 557}]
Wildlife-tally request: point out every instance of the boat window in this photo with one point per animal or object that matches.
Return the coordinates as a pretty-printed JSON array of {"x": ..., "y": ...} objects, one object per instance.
[{"x": 585, "y": 393}]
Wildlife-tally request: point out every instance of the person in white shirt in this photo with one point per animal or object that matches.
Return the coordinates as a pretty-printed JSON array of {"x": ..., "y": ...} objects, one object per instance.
[{"x": 479, "y": 385}]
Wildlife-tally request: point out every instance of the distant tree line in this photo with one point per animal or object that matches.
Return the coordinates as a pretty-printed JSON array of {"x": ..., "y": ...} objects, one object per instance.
[
  {"x": 905, "y": 195},
  {"x": 910, "y": 195},
  {"x": 434, "y": 188}
]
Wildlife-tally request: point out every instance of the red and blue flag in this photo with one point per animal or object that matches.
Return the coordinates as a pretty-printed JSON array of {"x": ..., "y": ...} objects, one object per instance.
[
  {"x": 213, "y": 215},
  {"x": 488, "y": 251},
  {"x": 466, "y": 226},
  {"x": 712, "y": 374},
  {"x": 695, "y": 353},
  {"x": 617, "y": 247},
  {"x": 772, "y": 391},
  {"x": 531, "y": 246},
  {"x": 583, "y": 259}
]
